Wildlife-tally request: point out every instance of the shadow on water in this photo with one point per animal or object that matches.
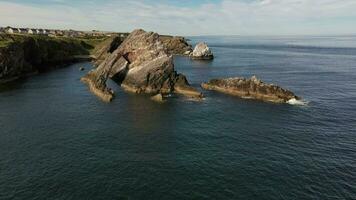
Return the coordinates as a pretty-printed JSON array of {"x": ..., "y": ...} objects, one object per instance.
[{"x": 13, "y": 85}]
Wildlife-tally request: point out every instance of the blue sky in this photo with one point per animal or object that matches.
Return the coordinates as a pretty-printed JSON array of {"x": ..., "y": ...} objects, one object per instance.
[{"x": 187, "y": 17}]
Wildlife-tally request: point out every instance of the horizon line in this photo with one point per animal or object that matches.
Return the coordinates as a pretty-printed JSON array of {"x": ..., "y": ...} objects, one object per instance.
[{"x": 201, "y": 35}]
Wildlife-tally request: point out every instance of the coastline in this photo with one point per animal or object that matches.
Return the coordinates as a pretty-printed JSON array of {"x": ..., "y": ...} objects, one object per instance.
[{"x": 24, "y": 55}]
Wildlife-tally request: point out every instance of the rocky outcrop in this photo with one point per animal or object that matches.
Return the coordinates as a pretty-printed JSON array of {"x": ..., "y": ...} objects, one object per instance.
[
  {"x": 26, "y": 55},
  {"x": 251, "y": 88},
  {"x": 202, "y": 52},
  {"x": 12, "y": 63},
  {"x": 140, "y": 64},
  {"x": 176, "y": 45},
  {"x": 104, "y": 49}
]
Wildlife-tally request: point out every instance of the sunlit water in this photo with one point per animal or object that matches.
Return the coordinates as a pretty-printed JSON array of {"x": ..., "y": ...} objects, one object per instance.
[{"x": 58, "y": 141}]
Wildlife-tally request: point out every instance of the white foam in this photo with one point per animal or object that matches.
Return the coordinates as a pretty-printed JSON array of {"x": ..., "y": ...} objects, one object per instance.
[{"x": 297, "y": 102}]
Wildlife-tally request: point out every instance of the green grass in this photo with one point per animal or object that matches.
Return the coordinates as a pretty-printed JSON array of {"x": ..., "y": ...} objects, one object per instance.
[
  {"x": 5, "y": 40},
  {"x": 88, "y": 43},
  {"x": 4, "y": 43}
]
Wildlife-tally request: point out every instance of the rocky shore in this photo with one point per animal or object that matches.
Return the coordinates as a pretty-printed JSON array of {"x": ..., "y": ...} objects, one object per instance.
[
  {"x": 28, "y": 55},
  {"x": 141, "y": 64},
  {"x": 252, "y": 88}
]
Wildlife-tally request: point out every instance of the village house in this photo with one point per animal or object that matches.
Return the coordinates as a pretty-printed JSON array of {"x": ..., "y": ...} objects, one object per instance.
[
  {"x": 59, "y": 33},
  {"x": 23, "y": 30},
  {"x": 51, "y": 33},
  {"x": 39, "y": 31},
  {"x": 54, "y": 33},
  {"x": 30, "y": 31},
  {"x": 12, "y": 30},
  {"x": 9, "y": 30}
]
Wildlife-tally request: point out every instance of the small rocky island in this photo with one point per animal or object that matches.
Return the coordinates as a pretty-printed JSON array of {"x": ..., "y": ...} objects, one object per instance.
[
  {"x": 251, "y": 89},
  {"x": 141, "y": 64},
  {"x": 202, "y": 52}
]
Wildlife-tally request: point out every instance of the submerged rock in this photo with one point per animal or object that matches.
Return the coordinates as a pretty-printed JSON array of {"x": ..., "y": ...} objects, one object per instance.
[
  {"x": 251, "y": 88},
  {"x": 140, "y": 65},
  {"x": 202, "y": 52}
]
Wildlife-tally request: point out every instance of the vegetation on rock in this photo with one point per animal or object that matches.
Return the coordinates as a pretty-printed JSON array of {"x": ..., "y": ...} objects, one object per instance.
[{"x": 24, "y": 54}]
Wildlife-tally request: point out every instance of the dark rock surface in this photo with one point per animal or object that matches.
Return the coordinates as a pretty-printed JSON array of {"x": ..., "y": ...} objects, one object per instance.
[
  {"x": 251, "y": 88},
  {"x": 140, "y": 64},
  {"x": 176, "y": 45},
  {"x": 27, "y": 55}
]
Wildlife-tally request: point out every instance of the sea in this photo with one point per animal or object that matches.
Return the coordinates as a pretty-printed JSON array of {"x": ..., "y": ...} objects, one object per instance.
[{"x": 59, "y": 141}]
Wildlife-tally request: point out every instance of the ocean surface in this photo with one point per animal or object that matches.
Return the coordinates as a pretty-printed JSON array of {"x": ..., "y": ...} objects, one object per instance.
[{"x": 58, "y": 141}]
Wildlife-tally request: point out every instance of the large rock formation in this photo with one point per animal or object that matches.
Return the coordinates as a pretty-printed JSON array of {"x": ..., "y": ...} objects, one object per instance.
[
  {"x": 251, "y": 88},
  {"x": 105, "y": 48},
  {"x": 141, "y": 65},
  {"x": 176, "y": 45},
  {"x": 202, "y": 52}
]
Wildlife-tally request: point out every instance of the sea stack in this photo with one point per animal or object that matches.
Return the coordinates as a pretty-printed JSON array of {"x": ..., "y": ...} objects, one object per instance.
[
  {"x": 202, "y": 52},
  {"x": 140, "y": 64},
  {"x": 252, "y": 88}
]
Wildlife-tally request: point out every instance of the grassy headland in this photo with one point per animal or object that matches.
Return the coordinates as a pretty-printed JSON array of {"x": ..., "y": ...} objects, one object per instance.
[{"x": 25, "y": 54}]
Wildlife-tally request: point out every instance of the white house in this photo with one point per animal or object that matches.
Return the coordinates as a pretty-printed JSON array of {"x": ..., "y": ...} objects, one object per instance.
[
  {"x": 29, "y": 31},
  {"x": 9, "y": 30},
  {"x": 39, "y": 31}
]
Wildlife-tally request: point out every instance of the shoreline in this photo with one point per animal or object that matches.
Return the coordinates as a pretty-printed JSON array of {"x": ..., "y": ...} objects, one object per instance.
[{"x": 52, "y": 66}]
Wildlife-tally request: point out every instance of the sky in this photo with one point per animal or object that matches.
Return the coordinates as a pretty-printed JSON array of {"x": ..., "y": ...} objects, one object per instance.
[{"x": 186, "y": 17}]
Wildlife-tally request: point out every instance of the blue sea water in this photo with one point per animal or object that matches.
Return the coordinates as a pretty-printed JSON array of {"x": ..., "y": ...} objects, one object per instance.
[{"x": 58, "y": 141}]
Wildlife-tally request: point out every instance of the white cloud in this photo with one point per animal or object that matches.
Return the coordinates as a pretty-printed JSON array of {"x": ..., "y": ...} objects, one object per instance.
[{"x": 230, "y": 17}]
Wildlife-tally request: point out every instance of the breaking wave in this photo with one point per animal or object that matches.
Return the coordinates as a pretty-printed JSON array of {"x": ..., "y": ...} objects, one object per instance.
[{"x": 297, "y": 102}]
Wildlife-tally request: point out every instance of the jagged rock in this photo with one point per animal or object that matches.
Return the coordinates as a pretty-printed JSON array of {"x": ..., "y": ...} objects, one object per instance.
[
  {"x": 104, "y": 49},
  {"x": 250, "y": 88},
  {"x": 176, "y": 45},
  {"x": 26, "y": 55},
  {"x": 96, "y": 87},
  {"x": 202, "y": 52},
  {"x": 140, "y": 65}
]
